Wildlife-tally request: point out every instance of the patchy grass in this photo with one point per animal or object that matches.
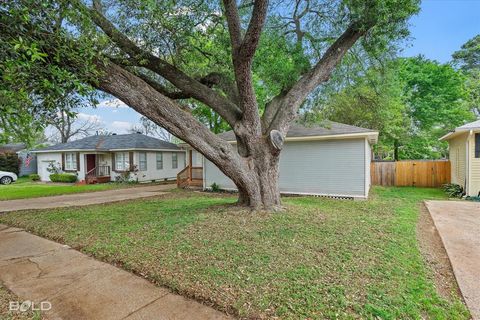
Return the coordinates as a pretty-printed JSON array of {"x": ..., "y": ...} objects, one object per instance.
[
  {"x": 5, "y": 298},
  {"x": 24, "y": 188},
  {"x": 320, "y": 259}
]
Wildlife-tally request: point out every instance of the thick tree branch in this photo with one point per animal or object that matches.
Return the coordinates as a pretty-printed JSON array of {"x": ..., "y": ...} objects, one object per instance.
[
  {"x": 243, "y": 50},
  {"x": 175, "y": 95},
  {"x": 168, "y": 114},
  {"x": 233, "y": 22},
  {"x": 254, "y": 30},
  {"x": 211, "y": 80},
  {"x": 227, "y": 109},
  {"x": 283, "y": 109}
]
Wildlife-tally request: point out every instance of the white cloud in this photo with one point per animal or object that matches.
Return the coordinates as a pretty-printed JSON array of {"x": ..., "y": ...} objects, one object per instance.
[
  {"x": 112, "y": 103},
  {"x": 90, "y": 117},
  {"x": 121, "y": 126}
]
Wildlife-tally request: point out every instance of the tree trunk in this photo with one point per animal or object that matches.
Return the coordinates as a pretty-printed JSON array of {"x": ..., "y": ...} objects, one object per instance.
[
  {"x": 261, "y": 191},
  {"x": 395, "y": 150},
  {"x": 253, "y": 168}
]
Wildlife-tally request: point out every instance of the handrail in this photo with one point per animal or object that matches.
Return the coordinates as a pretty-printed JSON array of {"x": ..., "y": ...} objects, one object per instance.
[
  {"x": 180, "y": 180},
  {"x": 184, "y": 169},
  {"x": 190, "y": 177},
  {"x": 100, "y": 171},
  {"x": 90, "y": 171}
]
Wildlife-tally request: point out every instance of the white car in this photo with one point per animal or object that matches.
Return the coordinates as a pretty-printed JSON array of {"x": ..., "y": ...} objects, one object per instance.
[{"x": 7, "y": 177}]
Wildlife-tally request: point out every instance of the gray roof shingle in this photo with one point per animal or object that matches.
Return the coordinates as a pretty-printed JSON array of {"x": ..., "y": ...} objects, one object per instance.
[
  {"x": 326, "y": 128},
  {"x": 112, "y": 142},
  {"x": 471, "y": 125}
]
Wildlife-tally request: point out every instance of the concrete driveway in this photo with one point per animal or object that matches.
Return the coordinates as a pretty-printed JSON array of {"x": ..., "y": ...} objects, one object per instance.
[
  {"x": 84, "y": 199},
  {"x": 458, "y": 223}
]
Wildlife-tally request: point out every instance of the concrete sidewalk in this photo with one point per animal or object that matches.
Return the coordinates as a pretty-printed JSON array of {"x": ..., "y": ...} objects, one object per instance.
[
  {"x": 458, "y": 223},
  {"x": 80, "y": 287},
  {"x": 85, "y": 199}
]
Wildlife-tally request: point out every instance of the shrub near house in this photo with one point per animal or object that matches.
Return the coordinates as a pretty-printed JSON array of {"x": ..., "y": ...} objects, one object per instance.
[
  {"x": 9, "y": 162},
  {"x": 63, "y": 177}
]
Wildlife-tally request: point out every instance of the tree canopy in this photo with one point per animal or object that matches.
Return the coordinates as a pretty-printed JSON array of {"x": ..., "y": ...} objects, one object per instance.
[
  {"x": 411, "y": 101},
  {"x": 253, "y": 64}
]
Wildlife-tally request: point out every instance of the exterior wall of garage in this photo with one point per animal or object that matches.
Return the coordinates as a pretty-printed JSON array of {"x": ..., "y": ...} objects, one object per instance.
[
  {"x": 458, "y": 159},
  {"x": 324, "y": 167},
  {"x": 44, "y": 160}
]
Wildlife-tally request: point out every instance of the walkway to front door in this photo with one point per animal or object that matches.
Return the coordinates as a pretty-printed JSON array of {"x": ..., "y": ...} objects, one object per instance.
[
  {"x": 85, "y": 199},
  {"x": 458, "y": 223}
]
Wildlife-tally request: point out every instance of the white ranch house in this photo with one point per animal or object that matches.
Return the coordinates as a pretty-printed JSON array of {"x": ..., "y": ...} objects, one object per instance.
[{"x": 103, "y": 158}]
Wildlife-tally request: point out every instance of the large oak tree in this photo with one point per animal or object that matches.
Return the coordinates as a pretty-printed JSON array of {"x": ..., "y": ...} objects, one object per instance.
[{"x": 162, "y": 57}]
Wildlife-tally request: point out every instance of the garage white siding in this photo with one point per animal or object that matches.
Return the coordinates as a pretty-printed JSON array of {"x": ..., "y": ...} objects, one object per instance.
[
  {"x": 328, "y": 167},
  {"x": 43, "y": 161}
]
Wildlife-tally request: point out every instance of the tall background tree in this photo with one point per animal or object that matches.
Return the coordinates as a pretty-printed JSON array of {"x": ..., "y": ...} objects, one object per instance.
[
  {"x": 67, "y": 126},
  {"x": 411, "y": 101},
  {"x": 468, "y": 60},
  {"x": 161, "y": 58},
  {"x": 149, "y": 128}
]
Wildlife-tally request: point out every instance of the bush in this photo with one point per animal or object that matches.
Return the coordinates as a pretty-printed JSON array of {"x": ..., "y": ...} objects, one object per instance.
[
  {"x": 453, "y": 190},
  {"x": 215, "y": 187},
  {"x": 63, "y": 177},
  {"x": 34, "y": 177},
  {"x": 9, "y": 162}
]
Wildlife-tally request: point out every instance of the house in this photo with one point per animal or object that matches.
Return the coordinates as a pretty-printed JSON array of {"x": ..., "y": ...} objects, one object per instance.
[
  {"x": 331, "y": 159},
  {"x": 464, "y": 150},
  {"x": 103, "y": 158},
  {"x": 27, "y": 160}
]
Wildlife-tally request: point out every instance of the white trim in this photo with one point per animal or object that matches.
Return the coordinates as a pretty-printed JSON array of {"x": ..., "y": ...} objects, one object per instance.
[
  {"x": 456, "y": 133},
  {"x": 468, "y": 164},
  {"x": 372, "y": 136},
  {"x": 367, "y": 167},
  {"x": 204, "y": 172},
  {"x": 369, "y": 135}
]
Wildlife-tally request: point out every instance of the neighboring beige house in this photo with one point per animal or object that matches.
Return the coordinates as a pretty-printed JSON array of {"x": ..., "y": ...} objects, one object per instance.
[
  {"x": 100, "y": 158},
  {"x": 464, "y": 148}
]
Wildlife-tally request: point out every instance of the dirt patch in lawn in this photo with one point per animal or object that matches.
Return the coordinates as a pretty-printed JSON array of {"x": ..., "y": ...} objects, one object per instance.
[{"x": 435, "y": 256}]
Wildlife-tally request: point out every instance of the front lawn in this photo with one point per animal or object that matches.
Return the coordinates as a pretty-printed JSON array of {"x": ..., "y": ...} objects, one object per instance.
[
  {"x": 24, "y": 188},
  {"x": 320, "y": 259}
]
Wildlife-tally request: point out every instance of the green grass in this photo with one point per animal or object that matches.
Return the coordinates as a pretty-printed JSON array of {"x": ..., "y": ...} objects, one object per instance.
[
  {"x": 321, "y": 259},
  {"x": 24, "y": 188}
]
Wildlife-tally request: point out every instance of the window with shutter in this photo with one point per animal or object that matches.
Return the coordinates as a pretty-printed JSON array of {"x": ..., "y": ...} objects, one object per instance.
[
  {"x": 122, "y": 162},
  {"x": 70, "y": 161},
  {"x": 174, "y": 161},
  {"x": 142, "y": 161},
  {"x": 159, "y": 161}
]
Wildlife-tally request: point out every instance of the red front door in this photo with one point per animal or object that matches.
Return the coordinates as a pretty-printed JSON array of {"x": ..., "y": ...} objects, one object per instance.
[{"x": 91, "y": 163}]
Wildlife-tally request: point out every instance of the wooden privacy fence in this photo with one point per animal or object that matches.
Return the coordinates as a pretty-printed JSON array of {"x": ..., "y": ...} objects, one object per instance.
[{"x": 410, "y": 173}]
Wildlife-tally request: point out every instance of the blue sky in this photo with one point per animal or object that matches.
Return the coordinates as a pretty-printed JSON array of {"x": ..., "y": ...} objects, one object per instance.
[
  {"x": 437, "y": 31},
  {"x": 442, "y": 26}
]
